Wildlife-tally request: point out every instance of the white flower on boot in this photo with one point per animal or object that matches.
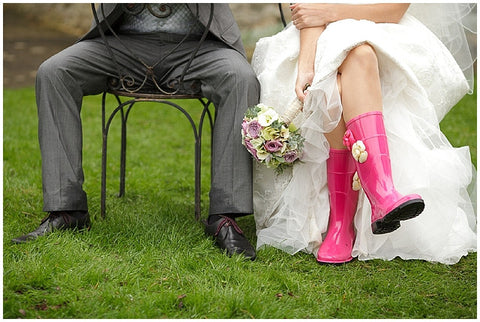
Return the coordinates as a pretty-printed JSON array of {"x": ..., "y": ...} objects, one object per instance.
[
  {"x": 359, "y": 152},
  {"x": 356, "y": 182}
]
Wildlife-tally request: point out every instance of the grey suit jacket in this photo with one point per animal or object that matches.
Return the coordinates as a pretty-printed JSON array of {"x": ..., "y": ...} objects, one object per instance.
[{"x": 223, "y": 24}]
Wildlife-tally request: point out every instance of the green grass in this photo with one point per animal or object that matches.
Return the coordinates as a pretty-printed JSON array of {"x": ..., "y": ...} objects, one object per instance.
[{"x": 150, "y": 259}]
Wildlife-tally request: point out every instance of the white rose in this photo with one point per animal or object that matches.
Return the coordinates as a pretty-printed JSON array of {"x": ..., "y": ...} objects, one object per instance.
[
  {"x": 267, "y": 117},
  {"x": 356, "y": 182},
  {"x": 359, "y": 152}
]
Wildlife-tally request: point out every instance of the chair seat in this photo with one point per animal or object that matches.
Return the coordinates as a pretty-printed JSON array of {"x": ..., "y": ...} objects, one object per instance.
[{"x": 147, "y": 94}]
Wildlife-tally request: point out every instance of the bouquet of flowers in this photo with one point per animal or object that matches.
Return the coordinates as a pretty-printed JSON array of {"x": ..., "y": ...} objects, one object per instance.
[{"x": 271, "y": 138}]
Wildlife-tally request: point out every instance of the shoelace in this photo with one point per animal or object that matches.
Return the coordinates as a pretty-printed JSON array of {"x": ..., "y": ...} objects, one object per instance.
[{"x": 227, "y": 221}]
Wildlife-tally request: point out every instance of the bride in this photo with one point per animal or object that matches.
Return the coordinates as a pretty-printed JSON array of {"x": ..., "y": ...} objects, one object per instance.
[{"x": 378, "y": 179}]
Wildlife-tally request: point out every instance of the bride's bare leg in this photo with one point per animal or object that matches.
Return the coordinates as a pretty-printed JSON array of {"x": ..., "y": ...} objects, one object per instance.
[
  {"x": 335, "y": 138},
  {"x": 360, "y": 82}
]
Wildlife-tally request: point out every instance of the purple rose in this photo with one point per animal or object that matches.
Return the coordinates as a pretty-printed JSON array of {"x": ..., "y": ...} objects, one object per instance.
[
  {"x": 254, "y": 129},
  {"x": 273, "y": 146},
  {"x": 251, "y": 149},
  {"x": 244, "y": 127},
  {"x": 290, "y": 156}
]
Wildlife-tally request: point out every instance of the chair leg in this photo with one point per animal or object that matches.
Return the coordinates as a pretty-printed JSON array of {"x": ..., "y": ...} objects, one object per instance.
[
  {"x": 198, "y": 176},
  {"x": 198, "y": 156},
  {"x": 123, "y": 148},
  {"x": 123, "y": 154},
  {"x": 104, "y": 160}
]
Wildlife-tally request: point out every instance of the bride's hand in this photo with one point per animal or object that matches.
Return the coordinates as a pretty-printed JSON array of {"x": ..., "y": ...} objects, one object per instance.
[
  {"x": 307, "y": 15},
  {"x": 304, "y": 79},
  {"x": 306, "y": 60}
]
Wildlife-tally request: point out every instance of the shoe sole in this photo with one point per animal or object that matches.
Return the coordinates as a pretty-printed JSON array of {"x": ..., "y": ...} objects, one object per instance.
[
  {"x": 85, "y": 228},
  {"x": 391, "y": 221},
  {"x": 325, "y": 262}
]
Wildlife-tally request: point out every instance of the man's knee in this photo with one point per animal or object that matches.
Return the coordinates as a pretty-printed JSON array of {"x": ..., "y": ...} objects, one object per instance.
[
  {"x": 236, "y": 71},
  {"x": 245, "y": 72},
  {"x": 50, "y": 68}
]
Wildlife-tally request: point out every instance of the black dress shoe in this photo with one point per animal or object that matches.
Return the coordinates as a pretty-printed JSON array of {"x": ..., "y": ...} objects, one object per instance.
[
  {"x": 58, "y": 220},
  {"x": 230, "y": 237}
]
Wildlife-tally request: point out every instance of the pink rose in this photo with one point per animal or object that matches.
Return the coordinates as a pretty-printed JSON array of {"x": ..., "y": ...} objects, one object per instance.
[
  {"x": 273, "y": 146},
  {"x": 245, "y": 127},
  {"x": 254, "y": 129},
  {"x": 290, "y": 156},
  {"x": 251, "y": 149}
]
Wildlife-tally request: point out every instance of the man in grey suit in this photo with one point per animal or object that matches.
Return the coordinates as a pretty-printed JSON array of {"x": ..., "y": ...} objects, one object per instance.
[{"x": 219, "y": 67}]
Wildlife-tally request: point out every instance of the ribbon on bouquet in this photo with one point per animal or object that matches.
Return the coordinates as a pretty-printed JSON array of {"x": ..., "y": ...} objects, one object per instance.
[{"x": 292, "y": 111}]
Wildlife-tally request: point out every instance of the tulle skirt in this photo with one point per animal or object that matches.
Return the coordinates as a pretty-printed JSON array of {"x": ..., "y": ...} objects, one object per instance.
[{"x": 420, "y": 82}]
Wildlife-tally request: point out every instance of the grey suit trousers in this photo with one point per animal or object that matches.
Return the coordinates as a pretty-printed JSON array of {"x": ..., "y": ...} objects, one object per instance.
[{"x": 82, "y": 69}]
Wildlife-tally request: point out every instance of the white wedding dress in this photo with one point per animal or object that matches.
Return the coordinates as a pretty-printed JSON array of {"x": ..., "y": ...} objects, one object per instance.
[{"x": 421, "y": 82}]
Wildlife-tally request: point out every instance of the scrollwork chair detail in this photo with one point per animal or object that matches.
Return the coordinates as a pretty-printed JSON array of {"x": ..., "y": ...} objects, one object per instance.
[{"x": 124, "y": 86}]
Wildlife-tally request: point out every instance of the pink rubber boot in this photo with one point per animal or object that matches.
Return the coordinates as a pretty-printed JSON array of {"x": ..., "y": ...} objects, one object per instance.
[
  {"x": 366, "y": 138},
  {"x": 337, "y": 246}
]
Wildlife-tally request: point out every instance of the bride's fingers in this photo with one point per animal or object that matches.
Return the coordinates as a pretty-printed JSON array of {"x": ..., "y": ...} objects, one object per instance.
[
  {"x": 300, "y": 94},
  {"x": 302, "y": 91},
  {"x": 298, "y": 24},
  {"x": 293, "y": 8}
]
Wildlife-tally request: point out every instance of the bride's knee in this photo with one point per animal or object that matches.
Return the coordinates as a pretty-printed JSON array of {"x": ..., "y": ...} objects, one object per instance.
[{"x": 362, "y": 56}]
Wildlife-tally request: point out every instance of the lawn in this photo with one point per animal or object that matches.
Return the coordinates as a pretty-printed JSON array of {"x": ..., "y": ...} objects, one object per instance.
[{"x": 150, "y": 259}]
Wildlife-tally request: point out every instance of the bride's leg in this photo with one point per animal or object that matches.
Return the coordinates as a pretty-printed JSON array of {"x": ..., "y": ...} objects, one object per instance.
[
  {"x": 360, "y": 82},
  {"x": 337, "y": 246},
  {"x": 365, "y": 137},
  {"x": 335, "y": 138}
]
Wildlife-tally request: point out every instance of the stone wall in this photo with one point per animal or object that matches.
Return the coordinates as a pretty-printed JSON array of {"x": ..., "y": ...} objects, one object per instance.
[{"x": 70, "y": 18}]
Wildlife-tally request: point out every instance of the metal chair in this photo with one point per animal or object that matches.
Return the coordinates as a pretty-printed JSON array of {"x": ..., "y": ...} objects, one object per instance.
[{"x": 123, "y": 86}]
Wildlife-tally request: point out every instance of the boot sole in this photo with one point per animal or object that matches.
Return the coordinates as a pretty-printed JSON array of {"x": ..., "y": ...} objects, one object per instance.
[
  {"x": 391, "y": 221},
  {"x": 340, "y": 262},
  {"x": 380, "y": 227}
]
